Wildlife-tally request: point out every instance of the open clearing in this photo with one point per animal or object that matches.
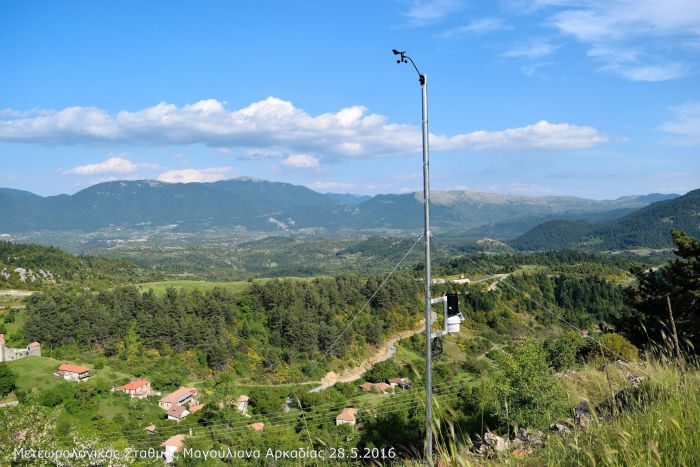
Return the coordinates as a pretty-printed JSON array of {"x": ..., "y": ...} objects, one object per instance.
[{"x": 159, "y": 287}]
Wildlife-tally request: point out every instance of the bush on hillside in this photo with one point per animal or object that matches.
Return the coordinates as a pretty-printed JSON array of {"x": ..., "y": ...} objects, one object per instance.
[
  {"x": 562, "y": 350},
  {"x": 611, "y": 347},
  {"x": 522, "y": 391},
  {"x": 8, "y": 380}
]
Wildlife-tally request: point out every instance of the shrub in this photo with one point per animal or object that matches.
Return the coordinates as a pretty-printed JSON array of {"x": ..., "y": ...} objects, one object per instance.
[
  {"x": 51, "y": 397},
  {"x": 383, "y": 371},
  {"x": 562, "y": 351},
  {"x": 612, "y": 346},
  {"x": 521, "y": 390},
  {"x": 475, "y": 365},
  {"x": 616, "y": 346},
  {"x": 8, "y": 380}
]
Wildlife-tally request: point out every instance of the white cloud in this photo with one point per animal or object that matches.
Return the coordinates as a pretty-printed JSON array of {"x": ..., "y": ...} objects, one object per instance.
[
  {"x": 661, "y": 72},
  {"x": 111, "y": 165},
  {"x": 541, "y": 135},
  {"x": 533, "y": 50},
  {"x": 302, "y": 161},
  {"x": 657, "y": 28},
  {"x": 686, "y": 123},
  {"x": 476, "y": 26},
  {"x": 429, "y": 11},
  {"x": 604, "y": 20},
  {"x": 332, "y": 186},
  {"x": 532, "y": 69},
  {"x": 273, "y": 127},
  {"x": 211, "y": 174}
]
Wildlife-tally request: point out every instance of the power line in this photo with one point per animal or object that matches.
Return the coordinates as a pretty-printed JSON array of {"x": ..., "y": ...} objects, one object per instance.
[
  {"x": 545, "y": 308},
  {"x": 329, "y": 409},
  {"x": 369, "y": 300},
  {"x": 446, "y": 390}
]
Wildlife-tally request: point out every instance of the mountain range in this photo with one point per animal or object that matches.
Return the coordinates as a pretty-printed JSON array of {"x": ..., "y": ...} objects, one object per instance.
[
  {"x": 260, "y": 205},
  {"x": 647, "y": 227}
]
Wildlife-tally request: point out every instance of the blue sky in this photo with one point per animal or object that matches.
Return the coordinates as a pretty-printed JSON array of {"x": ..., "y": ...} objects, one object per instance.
[{"x": 591, "y": 98}]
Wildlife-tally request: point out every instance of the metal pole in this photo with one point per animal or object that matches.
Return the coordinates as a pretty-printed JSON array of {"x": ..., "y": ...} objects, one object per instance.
[
  {"x": 403, "y": 58},
  {"x": 428, "y": 310}
]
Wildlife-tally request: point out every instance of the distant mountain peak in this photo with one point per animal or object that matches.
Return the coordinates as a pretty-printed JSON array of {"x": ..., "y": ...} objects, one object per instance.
[{"x": 245, "y": 178}]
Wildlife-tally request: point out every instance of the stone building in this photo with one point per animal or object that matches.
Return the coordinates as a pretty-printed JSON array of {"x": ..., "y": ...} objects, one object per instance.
[{"x": 8, "y": 354}]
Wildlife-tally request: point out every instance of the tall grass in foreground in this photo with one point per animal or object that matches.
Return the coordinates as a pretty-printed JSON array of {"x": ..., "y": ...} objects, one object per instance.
[
  {"x": 661, "y": 430},
  {"x": 658, "y": 425}
]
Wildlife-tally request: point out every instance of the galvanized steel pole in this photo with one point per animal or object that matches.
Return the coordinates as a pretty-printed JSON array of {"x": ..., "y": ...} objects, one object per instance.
[
  {"x": 428, "y": 299},
  {"x": 428, "y": 448}
]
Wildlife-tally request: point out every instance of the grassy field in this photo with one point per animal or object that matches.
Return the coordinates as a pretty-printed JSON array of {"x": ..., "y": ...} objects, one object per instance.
[
  {"x": 203, "y": 286},
  {"x": 37, "y": 372},
  {"x": 160, "y": 287}
]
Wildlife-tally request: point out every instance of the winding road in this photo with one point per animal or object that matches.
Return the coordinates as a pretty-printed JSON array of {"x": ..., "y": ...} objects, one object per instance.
[{"x": 385, "y": 353}]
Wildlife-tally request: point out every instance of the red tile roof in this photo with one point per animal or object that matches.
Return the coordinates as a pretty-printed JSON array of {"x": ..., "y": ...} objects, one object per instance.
[
  {"x": 382, "y": 387},
  {"x": 72, "y": 368},
  {"x": 150, "y": 428},
  {"x": 34, "y": 344},
  {"x": 132, "y": 386},
  {"x": 175, "y": 396},
  {"x": 365, "y": 386},
  {"x": 348, "y": 414},
  {"x": 257, "y": 426},
  {"x": 176, "y": 411},
  {"x": 176, "y": 441},
  {"x": 243, "y": 398},
  {"x": 196, "y": 408}
]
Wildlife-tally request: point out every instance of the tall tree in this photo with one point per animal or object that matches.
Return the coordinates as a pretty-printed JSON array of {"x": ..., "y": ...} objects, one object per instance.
[{"x": 680, "y": 281}]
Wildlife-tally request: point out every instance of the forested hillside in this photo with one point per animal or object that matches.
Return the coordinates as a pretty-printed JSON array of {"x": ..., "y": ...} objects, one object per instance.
[
  {"x": 647, "y": 227},
  {"x": 278, "y": 328},
  {"x": 541, "y": 334},
  {"x": 30, "y": 266}
]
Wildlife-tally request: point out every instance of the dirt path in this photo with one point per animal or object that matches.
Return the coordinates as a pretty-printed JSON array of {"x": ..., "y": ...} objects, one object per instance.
[
  {"x": 16, "y": 293},
  {"x": 383, "y": 354}
]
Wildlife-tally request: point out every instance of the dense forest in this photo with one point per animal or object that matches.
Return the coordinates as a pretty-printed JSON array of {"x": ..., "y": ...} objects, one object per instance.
[
  {"x": 558, "y": 261},
  {"x": 279, "y": 324}
]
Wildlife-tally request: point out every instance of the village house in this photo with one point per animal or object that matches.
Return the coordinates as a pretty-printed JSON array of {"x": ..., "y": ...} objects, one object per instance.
[
  {"x": 365, "y": 387},
  {"x": 172, "y": 446},
  {"x": 347, "y": 416},
  {"x": 258, "y": 426},
  {"x": 72, "y": 372},
  {"x": 150, "y": 429},
  {"x": 242, "y": 403},
  {"x": 177, "y": 412},
  {"x": 182, "y": 396},
  {"x": 403, "y": 383},
  {"x": 382, "y": 388},
  {"x": 139, "y": 388},
  {"x": 8, "y": 354}
]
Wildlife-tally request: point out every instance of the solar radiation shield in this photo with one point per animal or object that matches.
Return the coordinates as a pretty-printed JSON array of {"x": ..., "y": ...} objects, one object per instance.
[{"x": 452, "y": 304}]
